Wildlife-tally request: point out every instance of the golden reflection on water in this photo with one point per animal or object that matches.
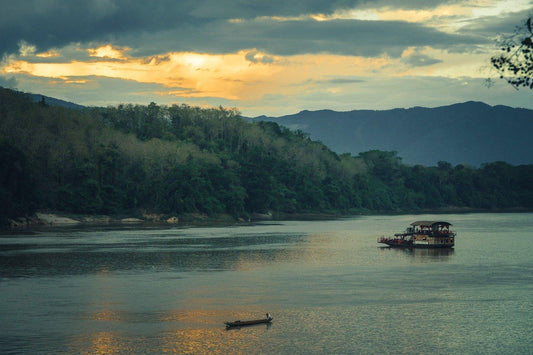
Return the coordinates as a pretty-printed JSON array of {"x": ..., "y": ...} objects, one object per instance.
[
  {"x": 106, "y": 315},
  {"x": 205, "y": 333},
  {"x": 188, "y": 332},
  {"x": 102, "y": 343},
  {"x": 208, "y": 341}
]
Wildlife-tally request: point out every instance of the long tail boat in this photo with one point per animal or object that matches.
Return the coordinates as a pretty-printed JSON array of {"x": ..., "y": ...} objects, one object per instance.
[
  {"x": 423, "y": 234},
  {"x": 240, "y": 323}
]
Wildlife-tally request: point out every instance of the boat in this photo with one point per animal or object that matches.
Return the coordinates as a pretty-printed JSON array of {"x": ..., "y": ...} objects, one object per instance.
[
  {"x": 240, "y": 323},
  {"x": 423, "y": 234}
]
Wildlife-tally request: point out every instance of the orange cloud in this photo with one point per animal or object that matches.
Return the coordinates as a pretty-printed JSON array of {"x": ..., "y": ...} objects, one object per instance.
[
  {"x": 49, "y": 54},
  {"x": 244, "y": 75},
  {"x": 107, "y": 51},
  {"x": 226, "y": 76}
]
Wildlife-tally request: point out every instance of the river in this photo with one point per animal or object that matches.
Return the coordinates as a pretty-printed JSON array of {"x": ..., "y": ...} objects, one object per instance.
[{"x": 331, "y": 288}]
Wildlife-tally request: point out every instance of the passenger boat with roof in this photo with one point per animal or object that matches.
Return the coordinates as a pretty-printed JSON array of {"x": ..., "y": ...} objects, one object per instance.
[{"x": 423, "y": 234}]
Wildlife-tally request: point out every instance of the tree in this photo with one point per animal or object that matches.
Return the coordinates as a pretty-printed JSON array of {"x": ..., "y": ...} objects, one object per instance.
[
  {"x": 17, "y": 187},
  {"x": 515, "y": 63}
]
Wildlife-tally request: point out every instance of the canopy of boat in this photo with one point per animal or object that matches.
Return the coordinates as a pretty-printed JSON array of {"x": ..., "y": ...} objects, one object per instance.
[{"x": 429, "y": 224}]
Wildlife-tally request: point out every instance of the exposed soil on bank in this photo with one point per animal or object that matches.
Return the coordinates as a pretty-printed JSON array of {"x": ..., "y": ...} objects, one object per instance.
[{"x": 142, "y": 218}]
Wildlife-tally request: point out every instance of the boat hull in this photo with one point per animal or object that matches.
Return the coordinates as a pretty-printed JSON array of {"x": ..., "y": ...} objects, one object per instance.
[
  {"x": 239, "y": 323},
  {"x": 434, "y": 246},
  {"x": 395, "y": 243},
  {"x": 407, "y": 243}
]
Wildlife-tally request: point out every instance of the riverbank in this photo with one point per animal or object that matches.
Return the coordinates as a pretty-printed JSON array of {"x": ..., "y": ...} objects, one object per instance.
[
  {"x": 55, "y": 219},
  {"x": 48, "y": 219}
]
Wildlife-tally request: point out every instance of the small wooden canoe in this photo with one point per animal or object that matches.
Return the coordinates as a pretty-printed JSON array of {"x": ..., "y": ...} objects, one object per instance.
[{"x": 239, "y": 323}]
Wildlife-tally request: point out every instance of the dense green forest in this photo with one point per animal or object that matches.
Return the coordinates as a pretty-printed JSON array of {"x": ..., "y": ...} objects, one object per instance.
[{"x": 180, "y": 159}]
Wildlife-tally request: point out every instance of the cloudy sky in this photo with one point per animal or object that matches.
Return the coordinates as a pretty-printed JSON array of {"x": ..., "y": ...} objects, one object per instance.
[{"x": 270, "y": 57}]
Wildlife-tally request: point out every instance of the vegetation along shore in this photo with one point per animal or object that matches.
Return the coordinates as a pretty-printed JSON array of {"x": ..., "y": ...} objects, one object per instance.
[{"x": 178, "y": 161}]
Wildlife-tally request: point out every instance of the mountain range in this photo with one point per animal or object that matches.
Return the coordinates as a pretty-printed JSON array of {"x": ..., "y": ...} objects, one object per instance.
[{"x": 469, "y": 133}]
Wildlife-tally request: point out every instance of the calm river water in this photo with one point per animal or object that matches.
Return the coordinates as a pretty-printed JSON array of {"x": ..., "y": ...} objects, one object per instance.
[{"x": 329, "y": 286}]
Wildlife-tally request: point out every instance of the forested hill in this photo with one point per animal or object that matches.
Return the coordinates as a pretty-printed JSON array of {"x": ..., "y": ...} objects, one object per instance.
[
  {"x": 50, "y": 101},
  {"x": 181, "y": 159},
  {"x": 468, "y": 133}
]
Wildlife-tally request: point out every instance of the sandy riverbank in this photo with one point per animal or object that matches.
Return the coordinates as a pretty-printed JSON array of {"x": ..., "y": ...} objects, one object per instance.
[{"x": 42, "y": 219}]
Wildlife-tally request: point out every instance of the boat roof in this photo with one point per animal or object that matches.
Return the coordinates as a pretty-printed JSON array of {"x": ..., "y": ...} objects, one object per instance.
[{"x": 430, "y": 223}]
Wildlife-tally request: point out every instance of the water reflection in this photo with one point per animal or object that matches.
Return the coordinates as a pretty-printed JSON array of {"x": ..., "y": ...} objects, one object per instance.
[
  {"x": 211, "y": 336},
  {"x": 110, "y": 253},
  {"x": 329, "y": 286},
  {"x": 260, "y": 325},
  {"x": 422, "y": 255},
  {"x": 106, "y": 343},
  {"x": 188, "y": 332}
]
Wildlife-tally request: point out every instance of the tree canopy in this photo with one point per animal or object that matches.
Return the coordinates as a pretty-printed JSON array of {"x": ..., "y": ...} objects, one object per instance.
[{"x": 180, "y": 159}]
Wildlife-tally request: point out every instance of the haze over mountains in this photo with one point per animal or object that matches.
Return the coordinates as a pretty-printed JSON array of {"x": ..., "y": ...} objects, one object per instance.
[{"x": 470, "y": 133}]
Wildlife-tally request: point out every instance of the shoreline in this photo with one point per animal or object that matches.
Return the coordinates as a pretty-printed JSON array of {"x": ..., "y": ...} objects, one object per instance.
[{"x": 42, "y": 220}]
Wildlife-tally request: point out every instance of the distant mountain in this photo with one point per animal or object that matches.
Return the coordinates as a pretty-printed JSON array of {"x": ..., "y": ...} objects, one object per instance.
[
  {"x": 50, "y": 101},
  {"x": 467, "y": 133}
]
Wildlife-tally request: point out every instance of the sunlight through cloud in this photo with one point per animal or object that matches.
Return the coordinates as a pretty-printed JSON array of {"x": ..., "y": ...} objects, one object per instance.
[{"x": 107, "y": 51}]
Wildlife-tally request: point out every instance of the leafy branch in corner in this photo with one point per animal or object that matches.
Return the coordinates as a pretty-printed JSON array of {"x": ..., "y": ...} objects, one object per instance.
[{"x": 515, "y": 63}]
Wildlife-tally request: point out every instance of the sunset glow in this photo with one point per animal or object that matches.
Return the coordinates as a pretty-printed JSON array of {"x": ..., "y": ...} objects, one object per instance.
[
  {"x": 230, "y": 76},
  {"x": 107, "y": 51},
  {"x": 266, "y": 60}
]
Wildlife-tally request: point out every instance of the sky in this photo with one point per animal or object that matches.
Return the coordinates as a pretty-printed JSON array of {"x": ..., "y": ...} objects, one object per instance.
[{"x": 264, "y": 57}]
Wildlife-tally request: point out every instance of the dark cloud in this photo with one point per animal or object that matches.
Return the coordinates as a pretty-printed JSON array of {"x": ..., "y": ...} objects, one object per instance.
[
  {"x": 216, "y": 9},
  {"x": 56, "y": 23},
  {"x": 351, "y": 37},
  {"x": 345, "y": 37},
  {"x": 202, "y": 25},
  {"x": 49, "y": 23}
]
